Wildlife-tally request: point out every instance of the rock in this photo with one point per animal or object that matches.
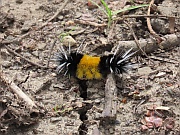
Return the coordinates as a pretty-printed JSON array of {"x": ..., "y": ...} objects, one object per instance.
[
  {"x": 160, "y": 26},
  {"x": 144, "y": 71},
  {"x": 20, "y": 77},
  {"x": 161, "y": 74},
  {"x": 111, "y": 130},
  {"x": 6, "y": 64},
  {"x": 19, "y": 1},
  {"x": 41, "y": 46},
  {"x": 35, "y": 53},
  {"x": 103, "y": 40},
  {"x": 26, "y": 54},
  {"x": 26, "y": 26},
  {"x": 91, "y": 5},
  {"x": 60, "y": 17},
  {"x": 97, "y": 101},
  {"x": 78, "y": 15},
  {"x": 55, "y": 119},
  {"x": 68, "y": 40}
]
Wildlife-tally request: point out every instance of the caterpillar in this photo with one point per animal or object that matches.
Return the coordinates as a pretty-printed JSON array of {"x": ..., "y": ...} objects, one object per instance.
[{"x": 86, "y": 67}]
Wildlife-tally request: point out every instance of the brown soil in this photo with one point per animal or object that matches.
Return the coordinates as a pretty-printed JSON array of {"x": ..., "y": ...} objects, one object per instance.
[{"x": 60, "y": 110}]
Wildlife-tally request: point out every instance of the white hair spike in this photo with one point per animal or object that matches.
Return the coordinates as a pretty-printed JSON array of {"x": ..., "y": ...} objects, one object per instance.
[
  {"x": 63, "y": 51},
  {"x": 126, "y": 53},
  {"x": 115, "y": 52},
  {"x": 65, "y": 73},
  {"x": 68, "y": 64},
  {"x": 69, "y": 48},
  {"x": 111, "y": 70},
  {"x": 60, "y": 67},
  {"x": 118, "y": 71},
  {"x": 125, "y": 57},
  {"x": 78, "y": 50},
  {"x": 111, "y": 59}
]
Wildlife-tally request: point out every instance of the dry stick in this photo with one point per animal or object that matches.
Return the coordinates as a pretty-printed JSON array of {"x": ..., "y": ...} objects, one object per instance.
[
  {"x": 135, "y": 37},
  {"x": 17, "y": 90},
  {"x": 50, "y": 53},
  {"x": 89, "y": 23},
  {"x": 20, "y": 38},
  {"x": 150, "y": 45},
  {"x": 164, "y": 59},
  {"x": 109, "y": 111},
  {"x": 158, "y": 38},
  {"x": 22, "y": 57},
  {"x": 150, "y": 16}
]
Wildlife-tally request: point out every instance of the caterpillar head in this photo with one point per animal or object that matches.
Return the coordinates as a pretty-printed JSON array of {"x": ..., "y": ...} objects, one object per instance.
[
  {"x": 67, "y": 61},
  {"x": 120, "y": 63}
]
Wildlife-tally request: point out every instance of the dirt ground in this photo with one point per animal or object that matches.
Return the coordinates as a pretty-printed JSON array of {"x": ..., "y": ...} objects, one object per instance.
[{"x": 148, "y": 100}]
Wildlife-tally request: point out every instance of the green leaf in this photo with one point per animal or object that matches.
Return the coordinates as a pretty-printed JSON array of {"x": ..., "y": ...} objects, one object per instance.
[{"x": 129, "y": 8}]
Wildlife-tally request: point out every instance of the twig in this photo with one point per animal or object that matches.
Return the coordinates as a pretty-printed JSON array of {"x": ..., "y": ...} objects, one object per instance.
[
  {"x": 158, "y": 38},
  {"x": 138, "y": 16},
  {"x": 22, "y": 57},
  {"x": 150, "y": 45},
  {"x": 135, "y": 38},
  {"x": 89, "y": 23},
  {"x": 136, "y": 107},
  {"x": 50, "y": 53},
  {"x": 110, "y": 96},
  {"x": 17, "y": 90},
  {"x": 164, "y": 59}
]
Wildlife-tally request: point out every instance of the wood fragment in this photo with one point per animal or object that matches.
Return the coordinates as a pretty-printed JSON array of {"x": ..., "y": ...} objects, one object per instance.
[
  {"x": 164, "y": 59},
  {"x": 150, "y": 45},
  {"x": 171, "y": 24},
  {"x": 139, "y": 16},
  {"x": 15, "y": 89},
  {"x": 109, "y": 111},
  {"x": 90, "y": 23}
]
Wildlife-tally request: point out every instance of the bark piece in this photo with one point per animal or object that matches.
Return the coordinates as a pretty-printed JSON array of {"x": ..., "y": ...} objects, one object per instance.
[{"x": 109, "y": 111}]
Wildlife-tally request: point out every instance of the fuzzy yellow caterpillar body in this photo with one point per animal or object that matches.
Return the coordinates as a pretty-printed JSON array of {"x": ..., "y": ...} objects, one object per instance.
[{"x": 88, "y": 68}]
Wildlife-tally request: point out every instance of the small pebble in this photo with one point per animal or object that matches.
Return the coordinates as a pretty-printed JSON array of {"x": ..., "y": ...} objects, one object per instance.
[
  {"x": 6, "y": 64},
  {"x": 68, "y": 40},
  {"x": 19, "y": 1}
]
